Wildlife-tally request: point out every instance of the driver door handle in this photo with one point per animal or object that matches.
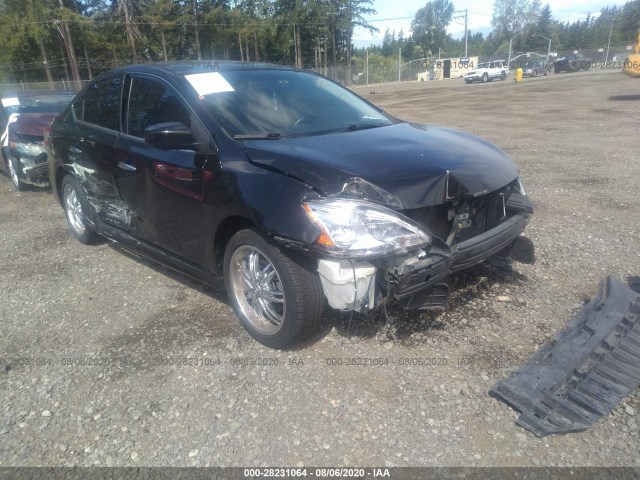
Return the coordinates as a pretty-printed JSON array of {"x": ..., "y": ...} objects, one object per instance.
[{"x": 127, "y": 166}]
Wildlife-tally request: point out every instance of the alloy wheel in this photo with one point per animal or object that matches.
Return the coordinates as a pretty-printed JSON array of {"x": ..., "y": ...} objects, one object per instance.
[
  {"x": 73, "y": 208},
  {"x": 257, "y": 289}
]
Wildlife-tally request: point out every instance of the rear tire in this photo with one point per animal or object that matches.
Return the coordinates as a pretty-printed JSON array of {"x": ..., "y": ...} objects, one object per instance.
[
  {"x": 76, "y": 207},
  {"x": 276, "y": 296},
  {"x": 485, "y": 78},
  {"x": 503, "y": 76}
]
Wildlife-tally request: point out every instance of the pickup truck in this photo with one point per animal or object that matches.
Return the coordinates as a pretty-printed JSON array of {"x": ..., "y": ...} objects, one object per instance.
[{"x": 572, "y": 63}]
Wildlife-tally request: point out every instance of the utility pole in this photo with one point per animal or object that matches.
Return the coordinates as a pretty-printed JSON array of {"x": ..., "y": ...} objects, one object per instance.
[
  {"x": 71, "y": 53},
  {"x": 609, "y": 42},
  {"x": 399, "y": 62},
  {"x": 464, "y": 13},
  {"x": 367, "y": 82}
]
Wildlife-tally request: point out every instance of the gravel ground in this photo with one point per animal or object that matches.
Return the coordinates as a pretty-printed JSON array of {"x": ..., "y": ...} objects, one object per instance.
[{"x": 235, "y": 403}]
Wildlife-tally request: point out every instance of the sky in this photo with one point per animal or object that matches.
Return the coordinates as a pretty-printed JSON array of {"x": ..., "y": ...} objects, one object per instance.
[{"x": 391, "y": 15}]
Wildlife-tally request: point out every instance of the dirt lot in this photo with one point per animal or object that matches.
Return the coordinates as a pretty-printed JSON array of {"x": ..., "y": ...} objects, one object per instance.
[{"x": 65, "y": 305}]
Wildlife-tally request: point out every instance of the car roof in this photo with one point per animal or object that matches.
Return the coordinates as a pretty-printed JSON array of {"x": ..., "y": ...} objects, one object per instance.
[{"x": 186, "y": 67}]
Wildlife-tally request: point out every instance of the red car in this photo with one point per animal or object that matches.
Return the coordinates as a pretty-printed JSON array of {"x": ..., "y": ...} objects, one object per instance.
[{"x": 23, "y": 119}]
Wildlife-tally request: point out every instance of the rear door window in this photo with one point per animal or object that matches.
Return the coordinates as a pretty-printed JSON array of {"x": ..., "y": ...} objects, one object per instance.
[{"x": 102, "y": 103}]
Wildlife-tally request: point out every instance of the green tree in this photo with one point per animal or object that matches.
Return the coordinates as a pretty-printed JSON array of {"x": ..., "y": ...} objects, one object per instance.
[
  {"x": 511, "y": 16},
  {"x": 429, "y": 26}
]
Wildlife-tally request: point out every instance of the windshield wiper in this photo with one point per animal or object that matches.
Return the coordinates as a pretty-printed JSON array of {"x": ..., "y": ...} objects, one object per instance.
[
  {"x": 258, "y": 136},
  {"x": 362, "y": 126}
]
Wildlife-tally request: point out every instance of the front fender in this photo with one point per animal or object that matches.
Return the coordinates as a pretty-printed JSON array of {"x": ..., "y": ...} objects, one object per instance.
[{"x": 269, "y": 200}]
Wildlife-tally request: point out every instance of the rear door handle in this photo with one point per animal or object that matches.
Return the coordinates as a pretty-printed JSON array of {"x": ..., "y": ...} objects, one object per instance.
[
  {"x": 127, "y": 166},
  {"x": 90, "y": 140}
]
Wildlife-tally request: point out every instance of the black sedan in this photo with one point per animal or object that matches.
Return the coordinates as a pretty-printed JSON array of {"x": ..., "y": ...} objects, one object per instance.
[
  {"x": 287, "y": 187},
  {"x": 24, "y": 116},
  {"x": 572, "y": 63}
]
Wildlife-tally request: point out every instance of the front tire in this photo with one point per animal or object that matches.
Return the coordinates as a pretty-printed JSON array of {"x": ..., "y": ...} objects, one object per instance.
[
  {"x": 14, "y": 173},
  {"x": 277, "y": 297},
  {"x": 76, "y": 207},
  {"x": 485, "y": 78},
  {"x": 503, "y": 76}
]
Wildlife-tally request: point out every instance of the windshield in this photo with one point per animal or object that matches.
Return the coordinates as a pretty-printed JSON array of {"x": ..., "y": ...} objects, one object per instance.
[
  {"x": 37, "y": 103},
  {"x": 282, "y": 102}
]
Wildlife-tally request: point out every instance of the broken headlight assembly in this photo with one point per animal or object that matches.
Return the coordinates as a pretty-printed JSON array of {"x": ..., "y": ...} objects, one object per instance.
[
  {"x": 24, "y": 149},
  {"x": 357, "y": 229}
]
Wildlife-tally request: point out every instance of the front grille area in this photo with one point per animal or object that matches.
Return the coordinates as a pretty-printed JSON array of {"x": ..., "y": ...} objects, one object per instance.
[
  {"x": 484, "y": 213},
  {"x": 40, "y": 170}
]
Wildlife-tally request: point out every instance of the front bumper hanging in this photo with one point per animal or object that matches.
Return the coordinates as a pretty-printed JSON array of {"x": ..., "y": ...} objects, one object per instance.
[{"x": 590, "y": 366}]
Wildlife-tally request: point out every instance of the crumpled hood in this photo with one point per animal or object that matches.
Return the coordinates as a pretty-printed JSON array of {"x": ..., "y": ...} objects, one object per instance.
[
  {"x": 32, "y": 123},
  {"x": 419, "y": 166}
]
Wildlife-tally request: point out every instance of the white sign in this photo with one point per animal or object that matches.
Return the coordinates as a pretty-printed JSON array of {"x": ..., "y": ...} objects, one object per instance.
[
  {"x": 210, "y": 82},
  {"x": 10, "y": 102},
  {"x": 600, "y": 50}
]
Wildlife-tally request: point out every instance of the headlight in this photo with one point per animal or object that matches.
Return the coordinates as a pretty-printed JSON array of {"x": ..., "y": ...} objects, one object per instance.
[
  {"x": 28, "y": 149},
  {"x": 353, "y": 228},
  {"x": 520, "y": 187}
]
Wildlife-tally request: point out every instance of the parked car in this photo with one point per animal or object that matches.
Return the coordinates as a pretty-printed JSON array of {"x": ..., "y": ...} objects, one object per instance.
[
  {"x": 487, "y": 71},
  {"x": 572, "y": 63},
  {"x": 535, "y": 68},
  {"x": 23, "y": 118},
  {"x": 287, "y": 187}
]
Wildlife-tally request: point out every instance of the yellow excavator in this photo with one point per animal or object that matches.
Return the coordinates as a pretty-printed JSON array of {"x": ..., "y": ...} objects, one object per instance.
[{"x": 632, "y": 62}]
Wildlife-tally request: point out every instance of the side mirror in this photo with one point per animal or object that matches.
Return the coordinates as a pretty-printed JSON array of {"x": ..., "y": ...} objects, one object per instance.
[{"x": 169, "y": 135}]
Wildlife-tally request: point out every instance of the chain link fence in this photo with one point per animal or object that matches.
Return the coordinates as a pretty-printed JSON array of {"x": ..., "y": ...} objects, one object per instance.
[
  {"x": 359, "y": 73},
  {"x": 599, "y": 57},
  {"x": 31, "y": 86}
]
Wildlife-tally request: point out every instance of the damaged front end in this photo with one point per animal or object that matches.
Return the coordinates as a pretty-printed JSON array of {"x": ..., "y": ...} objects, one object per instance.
[
  {"x": 26, "y": 147},
  {"x": 31, "y": 156},
  {"x": 373, "y": 254}
]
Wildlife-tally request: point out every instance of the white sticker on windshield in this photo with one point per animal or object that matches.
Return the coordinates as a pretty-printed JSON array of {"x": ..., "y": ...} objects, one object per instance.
[
  {"x": 206, "y": 83},
  {"x": 10, "y": 102}
]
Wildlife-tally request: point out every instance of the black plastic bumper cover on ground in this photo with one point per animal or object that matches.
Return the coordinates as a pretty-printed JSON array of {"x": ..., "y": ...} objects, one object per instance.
[{"x": 591, "y": 365}]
